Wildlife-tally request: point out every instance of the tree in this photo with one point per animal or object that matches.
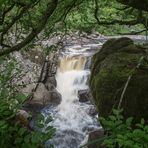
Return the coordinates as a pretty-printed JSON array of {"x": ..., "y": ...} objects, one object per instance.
[
  {"x": 105, "y": 13},
  {"x": 22, "y": 21}
]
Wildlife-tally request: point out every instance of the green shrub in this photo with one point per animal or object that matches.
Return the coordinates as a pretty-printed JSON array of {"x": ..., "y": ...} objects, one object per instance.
[
  {"x": 121, "y": 133},
  {"x": 12, "y": 133}
]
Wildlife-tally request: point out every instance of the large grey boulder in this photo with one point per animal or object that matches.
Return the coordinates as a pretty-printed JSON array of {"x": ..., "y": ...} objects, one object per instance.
[
  {"x": 43, "y": 96},
  {"x": 111, "y": 67}
]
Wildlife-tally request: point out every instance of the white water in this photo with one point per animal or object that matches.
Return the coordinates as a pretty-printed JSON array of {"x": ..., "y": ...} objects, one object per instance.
[{"x": 71, "y": 118}]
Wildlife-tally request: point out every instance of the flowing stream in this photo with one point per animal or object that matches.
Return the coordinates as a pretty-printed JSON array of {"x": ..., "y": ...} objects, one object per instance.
[{"x": 72, "y": 118}]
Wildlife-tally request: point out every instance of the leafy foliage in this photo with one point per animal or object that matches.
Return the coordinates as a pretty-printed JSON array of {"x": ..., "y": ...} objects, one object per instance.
[
  {"x": 110, "y": 14},
  {"x": 12, "y": 133},
  {"x": 25, "y": 19},
  {"x": 121, "y": 133}
]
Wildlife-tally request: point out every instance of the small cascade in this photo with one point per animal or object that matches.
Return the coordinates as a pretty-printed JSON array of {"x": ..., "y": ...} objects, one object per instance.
[
  {"x": 71, "y": 118},
  {"x": 68, "y": 63}
]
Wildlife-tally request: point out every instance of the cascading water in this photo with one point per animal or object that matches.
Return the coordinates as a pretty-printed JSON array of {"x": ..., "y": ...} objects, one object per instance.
[{"x": 71, "y": 118}]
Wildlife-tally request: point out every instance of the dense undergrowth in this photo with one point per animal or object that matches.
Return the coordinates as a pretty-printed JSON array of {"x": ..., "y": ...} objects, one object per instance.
[
  {"x": 123, "y": 133},
  {"x": 13, "y": 132}
]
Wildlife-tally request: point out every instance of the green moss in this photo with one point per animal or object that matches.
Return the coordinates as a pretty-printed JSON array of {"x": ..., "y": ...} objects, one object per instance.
[{"x": 108, "y": 79}]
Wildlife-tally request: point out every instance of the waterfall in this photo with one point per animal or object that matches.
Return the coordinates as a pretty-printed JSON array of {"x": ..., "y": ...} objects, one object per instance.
[
  {"x": 71, "y": 118},
  {"x": 68, "y": 63}
]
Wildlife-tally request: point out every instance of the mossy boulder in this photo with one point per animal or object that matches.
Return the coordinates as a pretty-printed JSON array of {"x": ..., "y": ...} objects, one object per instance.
[{"x": 111, "y": 67}]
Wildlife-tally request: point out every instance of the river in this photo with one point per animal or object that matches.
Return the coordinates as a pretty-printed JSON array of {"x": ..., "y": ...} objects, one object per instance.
[{"x": 72, "y": 118}]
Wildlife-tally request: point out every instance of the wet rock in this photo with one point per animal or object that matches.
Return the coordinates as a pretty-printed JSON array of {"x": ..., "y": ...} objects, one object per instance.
[
  {"x": 95, "y": 135},
  {"x": 33, "y": 107},
  {"x": 51, "y": 80},
  {"x": 55, "y": 97},
  {"x": 44, "y": 92},
  {"x": 89, "y": 129},
  {"x": 43, "y": 97},
  {"x": 49, "y": 86},
  {"x": 110, "y": 70},
  {"x": 83, "y": 95},
  {"x": 22, "y": 117},
  {"x": 92, "y": 111},
  {"x": 23, "y": 113}
]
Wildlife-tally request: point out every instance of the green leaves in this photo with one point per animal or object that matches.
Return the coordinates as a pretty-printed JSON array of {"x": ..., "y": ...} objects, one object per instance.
[
  {"x": 12, "y": 133},
  {"x": 2, "y": 2},
  {"x": 121, "y": 134},
  {"x": 20, "y": 97}
]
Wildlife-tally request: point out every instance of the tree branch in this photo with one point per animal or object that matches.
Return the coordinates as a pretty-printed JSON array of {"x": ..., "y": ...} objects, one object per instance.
[
  {"x": 5, "y": 12},
  {"x": 46, "y": 15},
  {"x": 15, "y": 19}
]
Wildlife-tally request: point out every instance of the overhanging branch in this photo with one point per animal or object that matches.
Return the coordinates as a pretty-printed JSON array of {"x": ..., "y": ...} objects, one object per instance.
[{"x": 46, "y": 15}]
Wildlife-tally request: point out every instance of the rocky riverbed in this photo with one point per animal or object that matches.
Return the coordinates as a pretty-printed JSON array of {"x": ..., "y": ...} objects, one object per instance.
[{"x": 111, "y": 66}]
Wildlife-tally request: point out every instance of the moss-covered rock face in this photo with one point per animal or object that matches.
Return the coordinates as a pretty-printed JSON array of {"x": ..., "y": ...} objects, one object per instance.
[{"x": 110, "y": 70}]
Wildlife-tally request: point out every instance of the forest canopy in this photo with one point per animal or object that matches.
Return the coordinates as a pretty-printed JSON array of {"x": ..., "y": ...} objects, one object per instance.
[{"x": 21, "y": 22}]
